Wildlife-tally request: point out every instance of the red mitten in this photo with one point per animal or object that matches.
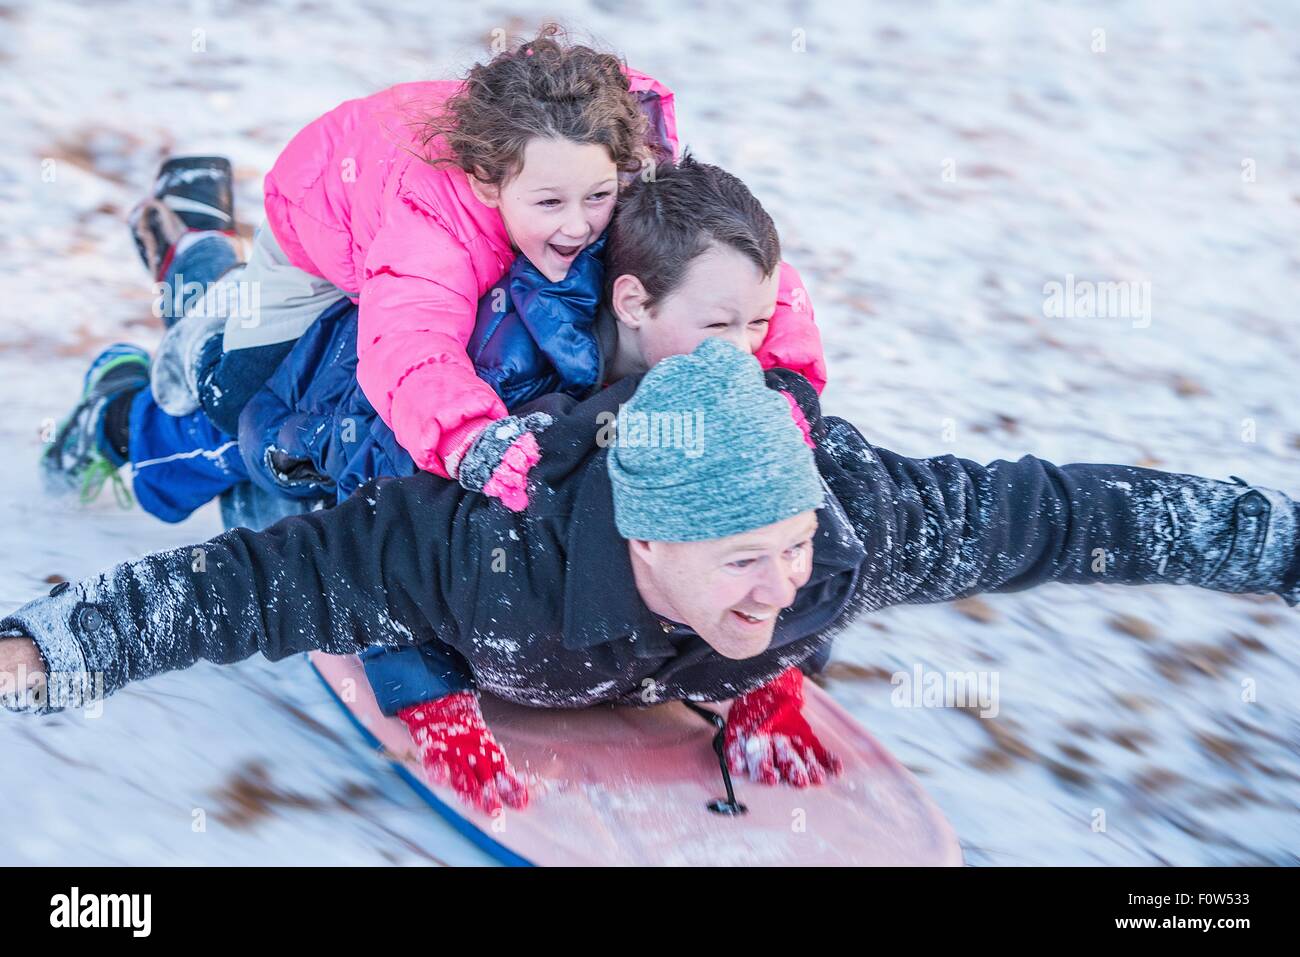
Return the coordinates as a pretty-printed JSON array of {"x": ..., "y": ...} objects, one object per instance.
[
  {"x": 769, "y": 740},
  {"x": 457, "y": 749}
]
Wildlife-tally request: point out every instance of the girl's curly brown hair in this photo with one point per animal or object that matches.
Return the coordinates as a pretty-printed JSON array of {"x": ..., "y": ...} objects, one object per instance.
[{"x": 545, "y": 87}]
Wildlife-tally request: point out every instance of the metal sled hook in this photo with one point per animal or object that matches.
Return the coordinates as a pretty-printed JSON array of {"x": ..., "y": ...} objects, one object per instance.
[{"x": 728, "y": 805}]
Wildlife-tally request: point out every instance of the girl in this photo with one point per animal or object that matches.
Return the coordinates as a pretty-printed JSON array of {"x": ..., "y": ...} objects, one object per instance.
[
  {"x": 412, "y": 202},
  {"x": 529, "y": 153},
  {"x": 690, "y": 254},
  {"x": 532, "y": 147}
]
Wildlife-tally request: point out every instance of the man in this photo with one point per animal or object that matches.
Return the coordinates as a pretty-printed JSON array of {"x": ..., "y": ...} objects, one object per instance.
[{"x": 701, "y": 548}]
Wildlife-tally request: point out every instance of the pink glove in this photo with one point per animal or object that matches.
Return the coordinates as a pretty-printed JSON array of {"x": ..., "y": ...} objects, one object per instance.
[
  {"x": 457, "y": 749},
  {"x": 509, "y": 481},
  {"x": 498, "y": 462},
  {"x": 769, "y": 740}
]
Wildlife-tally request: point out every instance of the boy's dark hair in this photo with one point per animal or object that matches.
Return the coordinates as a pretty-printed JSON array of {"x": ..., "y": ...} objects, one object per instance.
[{"x": 661, "y": 225}]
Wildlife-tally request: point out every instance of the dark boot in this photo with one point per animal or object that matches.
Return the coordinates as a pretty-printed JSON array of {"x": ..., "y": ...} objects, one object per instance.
[{"x": 190, "y": 193}]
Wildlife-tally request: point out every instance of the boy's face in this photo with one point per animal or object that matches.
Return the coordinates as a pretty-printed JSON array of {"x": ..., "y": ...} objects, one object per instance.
[
  {"x": 722, "y": 294},
  {"x": 558, "y": 204},
  {"x": 730, "y": 590}
]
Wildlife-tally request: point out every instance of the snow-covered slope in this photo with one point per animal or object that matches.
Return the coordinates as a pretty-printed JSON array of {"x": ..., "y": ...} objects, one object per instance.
[{"x": 931, "y": 172}]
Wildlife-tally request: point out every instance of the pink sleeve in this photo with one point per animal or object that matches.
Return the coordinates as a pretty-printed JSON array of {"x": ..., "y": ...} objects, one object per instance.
[
  {"x": 793, "y": 341},
  {"x": 412, "y": 335},
  {"x": 310, "y": 244},
  {"x": 296, "y": 196},
  {"x": 639, "y": 82}
]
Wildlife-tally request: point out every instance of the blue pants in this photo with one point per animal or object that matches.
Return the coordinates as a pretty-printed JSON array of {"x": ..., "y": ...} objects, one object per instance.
[
  {"x": 254, "y": 508},
  {"x": 182, "y": 462}
]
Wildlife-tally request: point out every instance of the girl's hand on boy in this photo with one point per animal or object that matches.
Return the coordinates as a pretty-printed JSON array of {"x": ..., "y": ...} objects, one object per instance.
[
  {"x": 497, "y": 464},
  {"x": 769, "y": 740},
  {"x": 457, "y": 750},
  {"x": 509, "y": 482}
]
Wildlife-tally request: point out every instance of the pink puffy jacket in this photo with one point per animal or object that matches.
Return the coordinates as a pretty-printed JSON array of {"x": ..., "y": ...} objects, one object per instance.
[{"x": 351, "y": 200}]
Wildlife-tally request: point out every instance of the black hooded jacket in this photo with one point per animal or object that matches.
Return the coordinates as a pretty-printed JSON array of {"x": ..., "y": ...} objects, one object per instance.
[{"x": 540, "y": 607}]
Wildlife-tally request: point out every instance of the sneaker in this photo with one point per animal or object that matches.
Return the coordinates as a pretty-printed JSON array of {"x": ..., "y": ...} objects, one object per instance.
[
  {"x": 198, "y": 191},
  {"x": 80, "y": 456}
]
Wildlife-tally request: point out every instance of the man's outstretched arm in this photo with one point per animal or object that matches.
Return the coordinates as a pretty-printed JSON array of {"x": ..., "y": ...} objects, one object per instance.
[
  {"x": 944, "y": 527},
  {"x": 366, "y": 572}
]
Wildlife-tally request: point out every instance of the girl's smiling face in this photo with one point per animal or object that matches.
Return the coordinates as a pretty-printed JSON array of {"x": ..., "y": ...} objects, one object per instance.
[{"x": 558, "y": 204}]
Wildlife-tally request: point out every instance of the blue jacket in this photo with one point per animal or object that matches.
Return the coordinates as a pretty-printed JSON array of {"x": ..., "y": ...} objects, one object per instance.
[{"x": 312, "y": 433}]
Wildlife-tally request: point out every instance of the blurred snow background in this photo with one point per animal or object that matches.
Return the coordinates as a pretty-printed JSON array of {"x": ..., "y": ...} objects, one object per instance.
[{"x": 931, "y": 168}]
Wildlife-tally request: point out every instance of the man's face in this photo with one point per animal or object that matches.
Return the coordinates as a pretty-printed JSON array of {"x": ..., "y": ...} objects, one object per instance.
[
  {"x": 558, "y": 204},
  {"x": 729, "y": 590},
  {"x": 723, "y": 294}
]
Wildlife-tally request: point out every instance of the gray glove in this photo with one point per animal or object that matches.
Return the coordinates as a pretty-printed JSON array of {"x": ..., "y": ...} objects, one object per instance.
[{"x": 487, "y": 455}]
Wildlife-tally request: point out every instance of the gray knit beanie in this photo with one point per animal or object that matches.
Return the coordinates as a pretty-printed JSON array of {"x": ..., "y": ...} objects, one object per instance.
[{"x": 704, "y": 449}]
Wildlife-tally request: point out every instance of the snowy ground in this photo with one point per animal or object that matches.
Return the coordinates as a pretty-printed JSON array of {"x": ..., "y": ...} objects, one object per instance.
[{"x": 931, "y": 168}]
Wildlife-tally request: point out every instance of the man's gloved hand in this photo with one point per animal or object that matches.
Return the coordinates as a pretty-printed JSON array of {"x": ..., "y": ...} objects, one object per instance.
[
  {"x": 497, "y": 463},
  {"x": 457, "y": 749},
  {"x": 768, "y": 739}
]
